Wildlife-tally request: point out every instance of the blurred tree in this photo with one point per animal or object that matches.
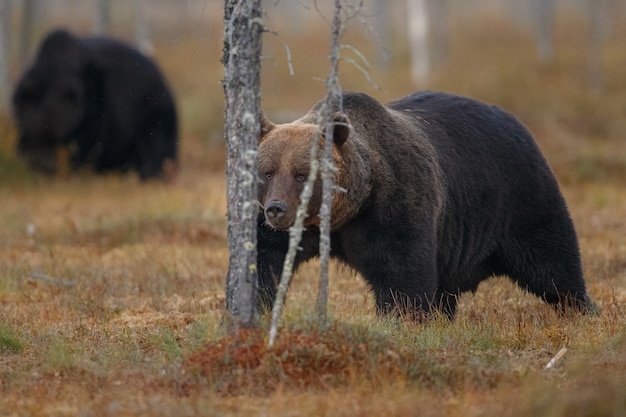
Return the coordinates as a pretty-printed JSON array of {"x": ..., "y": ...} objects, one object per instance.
[
  {"x": 601, "y": 15},
  {"x": 383, "y": 31},
  {"x": 242, "y": 63},
  {"x": 29, "y": 8},
  {"x": 102, "y": 24},
  {"x": 596, "y": 36},
  {"x": 428, "y": 37},
  {"x": 544, "y": 14},
  {"x": 5, "y": 8},
  {"x": 142, "y": 30},
  {"x": 438, "y": 16},
  {"x": 103, "y": 17},
  {"x": 418, "y": 41}
]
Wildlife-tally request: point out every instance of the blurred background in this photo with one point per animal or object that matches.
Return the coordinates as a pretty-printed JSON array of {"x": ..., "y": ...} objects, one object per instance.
[{"x": 557, "y": 64}]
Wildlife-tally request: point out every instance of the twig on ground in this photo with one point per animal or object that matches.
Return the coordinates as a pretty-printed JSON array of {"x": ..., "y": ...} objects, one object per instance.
[
  {"x": 48, "y": 280},
  {"x": 556, "y": 357}
]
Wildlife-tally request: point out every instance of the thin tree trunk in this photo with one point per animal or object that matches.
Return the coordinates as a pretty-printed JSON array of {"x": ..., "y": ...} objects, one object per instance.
[
  {"x": 243, "y": 27},
  {"x": 418, "y": 41},
  {"x": 596, "y": 38},
  {"x": 28, "y": 16},
  {"x": 544, "y": 14},
  {"x": 439, "y": 32},
  {"x": 331, "y": 102},
  {"x": 142, "y": 28},
  {"x": 4, "y": 54},
  {"x": 383, "y": 31},
  {"x": 103, "y": 18}
]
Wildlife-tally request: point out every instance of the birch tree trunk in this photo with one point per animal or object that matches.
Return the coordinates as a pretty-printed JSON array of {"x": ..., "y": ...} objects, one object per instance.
[
  {"x": 417, "y": 24},
  {"x": 438, "y": 12},
  {"x": 598, "y": 29},
  {"x": 4, "y": 54},
  {"x": 142, "y": 28},
  {"x": 324, "y": 164},
  {"x": 28, "y": 16},
  {"x": 103, "y": 18},
  {"x": 332, "y": 101},
  {"x": 243, "y": 27},
  {"x": 544, "y": 14}
]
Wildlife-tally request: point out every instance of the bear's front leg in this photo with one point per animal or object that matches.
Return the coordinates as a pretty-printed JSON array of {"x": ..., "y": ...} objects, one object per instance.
[
  {"x": 411, "y": 305},
  {"x": 403, "y": 277},
  {"x": 272, "y": 247},
  {"x": 399, "y": 262}
]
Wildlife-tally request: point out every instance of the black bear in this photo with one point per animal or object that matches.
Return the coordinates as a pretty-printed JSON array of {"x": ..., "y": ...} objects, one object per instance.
[
  {"x": 104, "y": 101},
  {"x": 441, "y": 192}
]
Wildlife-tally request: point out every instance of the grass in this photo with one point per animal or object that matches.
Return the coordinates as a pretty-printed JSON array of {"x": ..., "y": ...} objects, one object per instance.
[
  {"x": 9, "y": 341},
  {"x": 111, "y": 291}
]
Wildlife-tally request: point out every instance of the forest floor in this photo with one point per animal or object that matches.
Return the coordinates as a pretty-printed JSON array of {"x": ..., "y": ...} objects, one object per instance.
[{"x": 112, "y": 290}]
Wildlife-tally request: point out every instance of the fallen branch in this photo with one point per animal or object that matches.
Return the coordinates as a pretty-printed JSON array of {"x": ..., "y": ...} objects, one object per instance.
[
  {"x": 52, "y": 281},
  {"x": 556, "y": 357}
]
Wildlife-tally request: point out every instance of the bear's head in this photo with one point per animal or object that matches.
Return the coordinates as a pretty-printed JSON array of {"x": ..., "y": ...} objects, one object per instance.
[
  {"x": 284, "y": 164},
  {"x": 49, "y": 99}
]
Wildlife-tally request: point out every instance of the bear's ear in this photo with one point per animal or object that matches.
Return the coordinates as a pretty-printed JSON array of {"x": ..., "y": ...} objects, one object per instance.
[
  {"x": 341, "y": 129},
  {"x": 266, "y": 125}
]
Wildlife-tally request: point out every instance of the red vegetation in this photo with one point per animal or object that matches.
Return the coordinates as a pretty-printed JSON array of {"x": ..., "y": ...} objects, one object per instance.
[{"x": 311, "y": 358}]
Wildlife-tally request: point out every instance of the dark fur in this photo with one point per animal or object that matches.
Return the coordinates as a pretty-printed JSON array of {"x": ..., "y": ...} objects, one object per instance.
[
  {"x": 103, "y": 100},
  {"x": 457, "y": 192}
]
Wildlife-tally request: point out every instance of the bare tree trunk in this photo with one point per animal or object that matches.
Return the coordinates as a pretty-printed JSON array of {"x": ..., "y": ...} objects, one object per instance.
[
  {"x": 103, "y": 18},
  {"x": 438, "y": 18},
  {"x": 544, "y": 14},
  {"x": 597, "y": 32},
  {"x": 383, "y": 27},
  {"x": 243, "y": 27},
  {"x": 595, "y": 46},
  {"x": 418, "y": 41},
  {"x": 332, "y": 101},
  {"x": 4, "y": 54},
  {"x": 28, "y": 16},
  {"x": 142, "y": 29}
]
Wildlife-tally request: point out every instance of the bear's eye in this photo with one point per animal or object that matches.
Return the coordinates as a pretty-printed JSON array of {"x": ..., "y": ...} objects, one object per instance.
[
  {"x": 268, "y": 175},
  {"x": 300, "y": 177}
]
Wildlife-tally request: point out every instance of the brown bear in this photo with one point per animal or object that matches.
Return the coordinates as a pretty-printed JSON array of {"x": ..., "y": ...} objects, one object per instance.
[
  {"x": 100, "y": 99},
  {"x": 441, "y": 193}
]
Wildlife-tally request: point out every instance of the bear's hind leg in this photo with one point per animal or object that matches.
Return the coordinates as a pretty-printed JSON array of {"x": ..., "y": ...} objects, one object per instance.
[
  {"x": 565, "y": 301},
  {"x": 553, "y": 275}
]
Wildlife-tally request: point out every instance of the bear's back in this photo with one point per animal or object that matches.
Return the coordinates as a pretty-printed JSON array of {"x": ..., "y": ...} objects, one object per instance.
[{"x": 476, "y": 140}]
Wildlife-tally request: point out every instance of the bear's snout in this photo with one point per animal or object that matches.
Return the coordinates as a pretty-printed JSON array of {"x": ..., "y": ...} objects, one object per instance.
[
  {"x": 275, "y": 209},
  {"x": 275, "y": 214}
]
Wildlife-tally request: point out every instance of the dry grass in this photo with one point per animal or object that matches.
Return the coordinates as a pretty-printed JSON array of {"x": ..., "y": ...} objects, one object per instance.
[{"x": 111, "y": 291}]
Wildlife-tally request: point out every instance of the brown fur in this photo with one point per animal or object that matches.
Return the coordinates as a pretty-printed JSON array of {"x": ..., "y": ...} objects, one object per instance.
[{"x": 284, "y": 160}]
